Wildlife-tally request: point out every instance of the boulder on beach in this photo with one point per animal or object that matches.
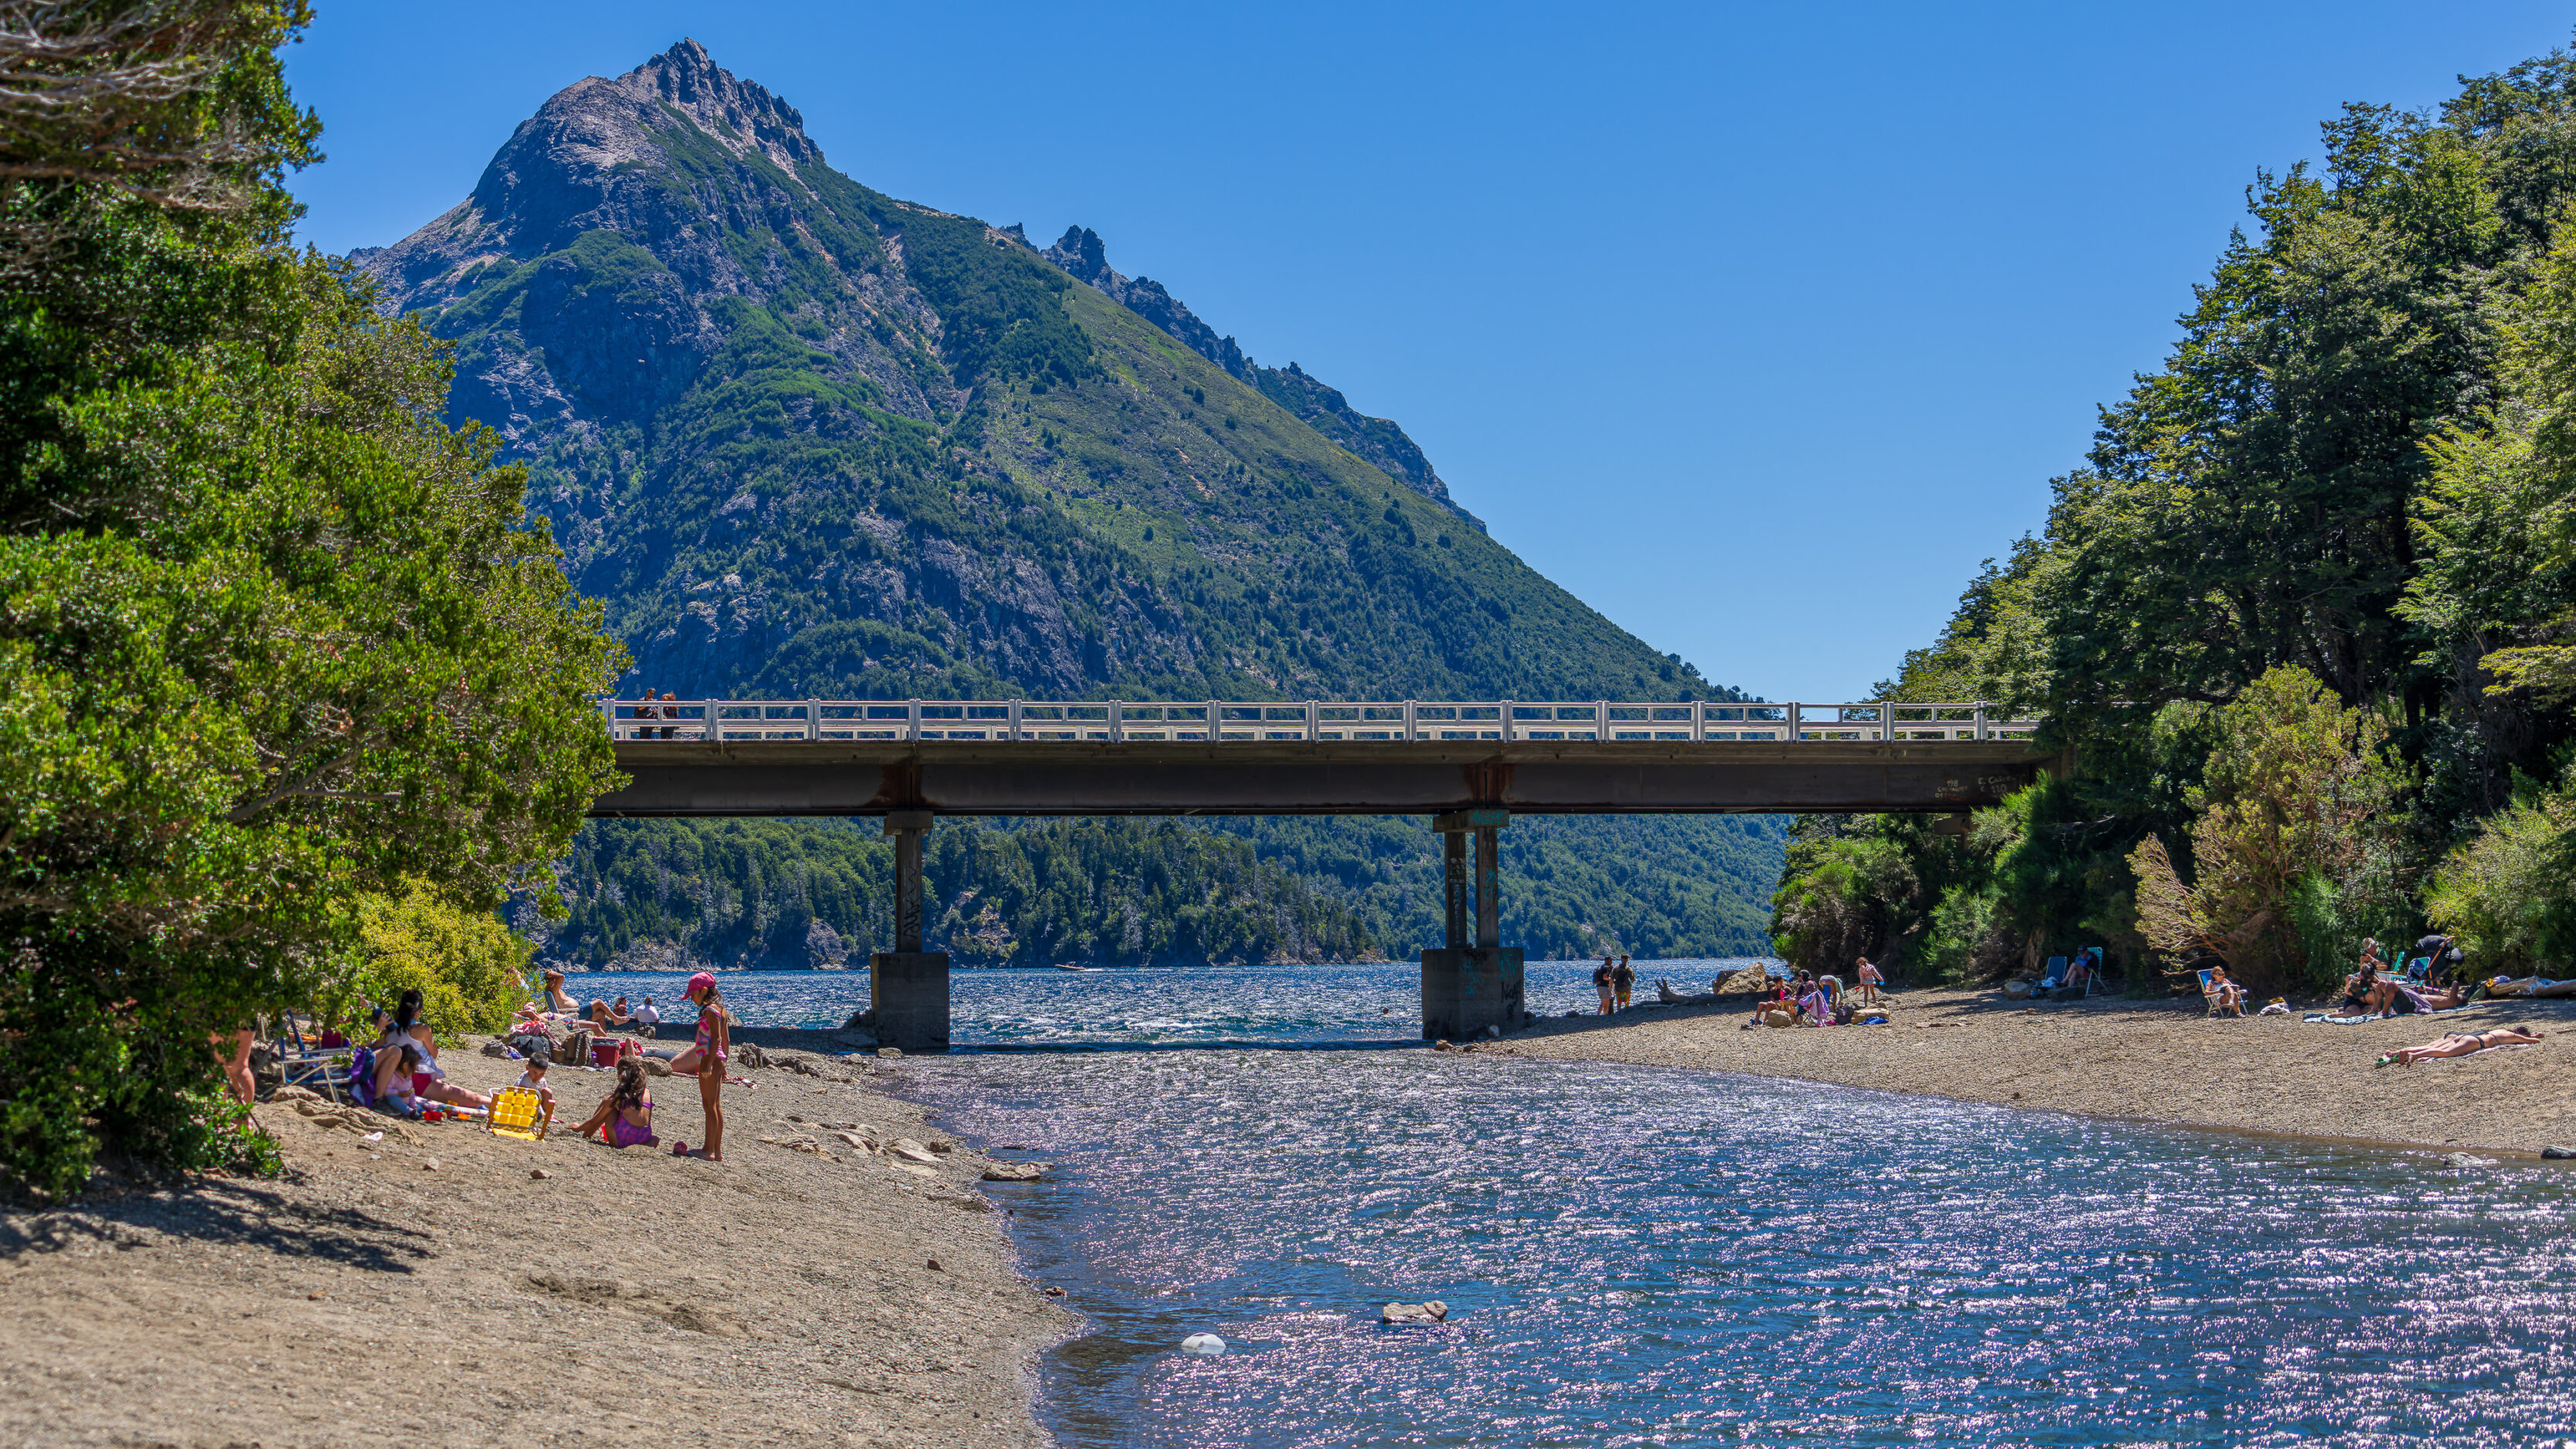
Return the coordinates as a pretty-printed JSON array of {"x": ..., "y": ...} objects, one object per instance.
[
  {"x": 1433, "y": 1311},
  {"x": 2017, "y": 989},
  {"x": 1013, "y": 1171},
  {"x": 1751, "y": 981}
]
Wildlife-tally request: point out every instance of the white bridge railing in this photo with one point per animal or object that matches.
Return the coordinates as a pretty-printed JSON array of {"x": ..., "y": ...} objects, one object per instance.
[{"x": 1222, "y": 720}]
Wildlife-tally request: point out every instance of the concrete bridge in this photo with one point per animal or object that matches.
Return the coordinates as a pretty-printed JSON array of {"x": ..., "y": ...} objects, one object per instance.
[{"x": 1470, "y": 765}]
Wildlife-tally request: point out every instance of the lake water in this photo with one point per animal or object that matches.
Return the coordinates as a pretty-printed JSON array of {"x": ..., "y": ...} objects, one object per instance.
[{"x": 1635, "y": 1256}]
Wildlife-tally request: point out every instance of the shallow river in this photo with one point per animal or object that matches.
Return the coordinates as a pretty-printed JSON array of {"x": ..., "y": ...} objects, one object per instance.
[{"x": 1642, "y": 1256}]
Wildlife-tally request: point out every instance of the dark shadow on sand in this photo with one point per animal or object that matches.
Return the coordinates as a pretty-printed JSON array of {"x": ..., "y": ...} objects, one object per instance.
[{"x": 224, "y": 1211}]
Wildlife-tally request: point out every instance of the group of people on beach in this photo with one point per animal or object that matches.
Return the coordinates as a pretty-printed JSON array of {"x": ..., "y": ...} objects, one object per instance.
[
  {"x": 2375, "y": 989},
  {"x": 1614, "y": 982},
  {"x": 400, "y": 1071},
  {"x": 1807, "y": 998}
]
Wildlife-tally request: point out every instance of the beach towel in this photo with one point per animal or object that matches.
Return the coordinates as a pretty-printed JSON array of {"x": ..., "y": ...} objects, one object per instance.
[{"x": 2319, "y": 1017}]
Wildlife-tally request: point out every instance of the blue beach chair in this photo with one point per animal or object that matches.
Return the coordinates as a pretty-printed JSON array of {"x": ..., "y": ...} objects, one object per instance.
[{"x": 2056, "y": 974}]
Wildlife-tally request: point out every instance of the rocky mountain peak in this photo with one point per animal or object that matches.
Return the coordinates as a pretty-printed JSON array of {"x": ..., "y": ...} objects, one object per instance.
[{"x": 741, "y": 115}]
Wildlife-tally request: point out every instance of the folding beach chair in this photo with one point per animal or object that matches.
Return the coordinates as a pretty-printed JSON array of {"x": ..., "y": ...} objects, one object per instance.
[
  {"x": 302, "y": 1063},
  {"x": 518, "y": 1112},
  {"x": 2056, "y": 975}
]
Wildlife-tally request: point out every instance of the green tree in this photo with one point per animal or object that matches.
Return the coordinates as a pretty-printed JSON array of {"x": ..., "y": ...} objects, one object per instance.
[
  {"x": 275, "y": 635},
  {"x": 2291, "y": 841}
]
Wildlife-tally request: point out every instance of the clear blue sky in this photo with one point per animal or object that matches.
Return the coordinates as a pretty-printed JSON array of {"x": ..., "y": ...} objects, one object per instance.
[{"x": 1757, "y": 327}]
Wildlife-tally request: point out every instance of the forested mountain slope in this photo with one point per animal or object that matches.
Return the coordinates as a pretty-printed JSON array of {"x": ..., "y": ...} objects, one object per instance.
[
  {"x": 789, "y": 894},
  {"x": 804, "y": 439}
]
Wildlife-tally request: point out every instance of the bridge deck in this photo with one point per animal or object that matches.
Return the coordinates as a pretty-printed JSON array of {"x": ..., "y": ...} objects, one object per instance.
[{"x": 1314, "y": 777}]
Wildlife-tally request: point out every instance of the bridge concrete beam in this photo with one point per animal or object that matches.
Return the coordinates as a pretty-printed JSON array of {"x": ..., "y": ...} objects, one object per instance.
[{"x": 680, "y": 777}]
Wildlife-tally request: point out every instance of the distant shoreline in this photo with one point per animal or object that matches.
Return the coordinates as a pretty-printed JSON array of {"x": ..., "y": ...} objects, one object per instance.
[{"x": 2133, "y": 1061}]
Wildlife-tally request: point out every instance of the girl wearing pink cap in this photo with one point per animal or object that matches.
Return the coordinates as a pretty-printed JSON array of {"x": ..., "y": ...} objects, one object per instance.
[{"x": 706, "y": 1058}]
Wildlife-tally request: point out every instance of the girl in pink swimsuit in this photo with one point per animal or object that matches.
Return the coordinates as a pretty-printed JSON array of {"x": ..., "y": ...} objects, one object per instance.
[{"x": 706, "y": 1058}]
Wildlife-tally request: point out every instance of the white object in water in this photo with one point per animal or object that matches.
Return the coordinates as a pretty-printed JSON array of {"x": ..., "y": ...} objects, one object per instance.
[{"x": 1205, "y": 1345}]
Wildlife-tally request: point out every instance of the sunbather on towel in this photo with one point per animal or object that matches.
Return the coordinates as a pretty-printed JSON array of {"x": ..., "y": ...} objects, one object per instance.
[{"x": 2460, "y": 1044}]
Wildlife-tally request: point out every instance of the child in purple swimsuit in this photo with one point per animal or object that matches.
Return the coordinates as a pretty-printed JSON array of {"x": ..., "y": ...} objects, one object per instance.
[{"x": 626, "y": 1118}]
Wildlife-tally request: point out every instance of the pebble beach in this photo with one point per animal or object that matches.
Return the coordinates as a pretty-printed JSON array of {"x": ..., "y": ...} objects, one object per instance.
[
  {"x": 2150, "y": 1060},
  {"x": 444, "y": 1286}
]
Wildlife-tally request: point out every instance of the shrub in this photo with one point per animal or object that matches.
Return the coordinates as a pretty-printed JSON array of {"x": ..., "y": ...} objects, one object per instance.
[
  {"x": 470, "y": 970},
  {"x": 2507, "y": 893}
]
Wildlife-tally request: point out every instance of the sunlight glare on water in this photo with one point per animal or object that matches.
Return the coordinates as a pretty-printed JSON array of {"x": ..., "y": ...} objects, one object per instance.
[{"x": 1643, "y": 1256}]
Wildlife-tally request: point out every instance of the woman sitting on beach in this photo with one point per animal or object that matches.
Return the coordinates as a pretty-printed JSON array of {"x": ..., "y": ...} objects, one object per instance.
[
  {"x": 2226, "y": 995},
  {"x": 2364, "y": 994},
  {"x": 625, "y": 1119},
  {"x": 1815, "y": 1008},
  {"x": 2460, "y": 1044},
  {"x": 428, "y": 1079},
  {"x": 554, "y": 999}
]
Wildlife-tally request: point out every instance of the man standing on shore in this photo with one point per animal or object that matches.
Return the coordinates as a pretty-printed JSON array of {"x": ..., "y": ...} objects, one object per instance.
[
  {"x": 1623, "y": 981},
  {"x": 1601, "y": 984}
]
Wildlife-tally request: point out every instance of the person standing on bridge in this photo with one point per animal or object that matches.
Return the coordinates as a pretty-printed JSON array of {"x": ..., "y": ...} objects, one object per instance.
[
  {"x": 1601, "y": 983},
  {"x": 1623, "y": 981}
]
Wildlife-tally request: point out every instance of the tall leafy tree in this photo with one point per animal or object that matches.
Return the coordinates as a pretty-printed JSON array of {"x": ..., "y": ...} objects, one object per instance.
[{"x": 273, "y": 634}]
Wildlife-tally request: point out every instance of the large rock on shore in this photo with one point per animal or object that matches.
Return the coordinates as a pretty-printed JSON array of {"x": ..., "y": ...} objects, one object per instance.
[{"x": 1751, "y": 981}]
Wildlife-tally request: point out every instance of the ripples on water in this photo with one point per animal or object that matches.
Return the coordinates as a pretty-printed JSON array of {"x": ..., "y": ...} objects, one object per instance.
[{"x": 1636, "y": 1256}]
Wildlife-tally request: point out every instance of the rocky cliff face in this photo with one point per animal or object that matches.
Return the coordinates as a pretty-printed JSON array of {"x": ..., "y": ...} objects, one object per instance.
[
  {"x": 806, "y": 439},
  {"x": 1377, "y": 441}
]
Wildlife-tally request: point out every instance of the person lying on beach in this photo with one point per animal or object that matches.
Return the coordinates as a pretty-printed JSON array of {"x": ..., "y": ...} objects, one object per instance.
[
  {"x": 2460, "y": 1044},
  {"x": 625, "y": 1117},
  {"x": 603, "y": 1016}
]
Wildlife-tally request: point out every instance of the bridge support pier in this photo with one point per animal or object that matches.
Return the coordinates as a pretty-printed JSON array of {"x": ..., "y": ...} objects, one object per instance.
[
  {"x": 907, "y": 986},
  {"x": 1467, "y": 988}
]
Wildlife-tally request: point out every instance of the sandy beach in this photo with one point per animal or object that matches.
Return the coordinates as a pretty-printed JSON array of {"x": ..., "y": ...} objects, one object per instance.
[
  {"x": 435, "y": 1291},
  {"x": 2159, "y": 1061}
]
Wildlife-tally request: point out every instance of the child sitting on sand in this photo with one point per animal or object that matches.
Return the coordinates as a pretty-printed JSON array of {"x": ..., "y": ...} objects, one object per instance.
[
  {"x": 625, "y": 1119},
  {"x": 534, "y": 1080},
  {"x": 394, "y": 1081}
]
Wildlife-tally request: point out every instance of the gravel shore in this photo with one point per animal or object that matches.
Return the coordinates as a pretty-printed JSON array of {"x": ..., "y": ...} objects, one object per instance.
[
  {"x": 2152, "y": 1060},
  {"x": 436, "y": 1291}
]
